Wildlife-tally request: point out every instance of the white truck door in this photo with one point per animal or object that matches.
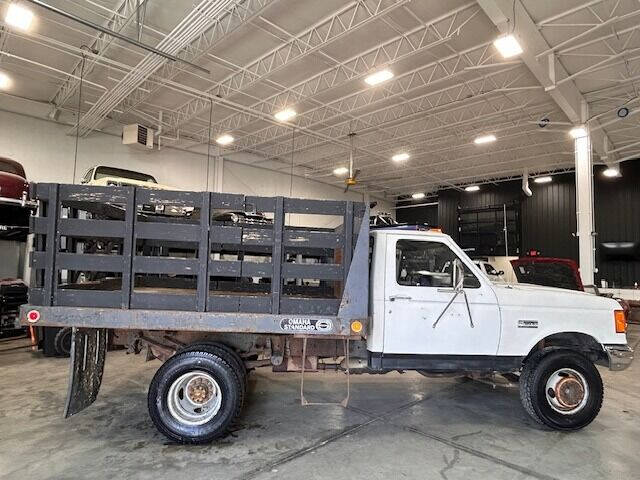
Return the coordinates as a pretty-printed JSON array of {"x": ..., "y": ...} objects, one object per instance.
[{"x": 418, "y": 288}]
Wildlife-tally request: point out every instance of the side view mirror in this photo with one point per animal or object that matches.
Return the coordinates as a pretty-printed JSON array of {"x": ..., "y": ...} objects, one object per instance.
[
  {"x": 457, "y": 273},
  {"x": 500, "y": 272}
]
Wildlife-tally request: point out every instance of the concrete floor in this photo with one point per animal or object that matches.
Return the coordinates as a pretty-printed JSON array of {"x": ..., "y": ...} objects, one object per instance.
[{"x": 396, "y": 426}]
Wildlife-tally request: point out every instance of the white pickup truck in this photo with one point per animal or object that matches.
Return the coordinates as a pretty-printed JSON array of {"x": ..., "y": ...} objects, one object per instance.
[{"x": 411, "y": 300}]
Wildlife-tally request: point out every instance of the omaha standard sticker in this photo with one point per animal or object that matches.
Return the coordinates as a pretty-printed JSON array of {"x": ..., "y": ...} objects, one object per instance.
[{"x": 306, "y": 325}]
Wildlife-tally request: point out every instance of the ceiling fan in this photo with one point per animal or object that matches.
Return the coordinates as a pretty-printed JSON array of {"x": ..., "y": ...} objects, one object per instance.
[{"x": 351, "y": 180}]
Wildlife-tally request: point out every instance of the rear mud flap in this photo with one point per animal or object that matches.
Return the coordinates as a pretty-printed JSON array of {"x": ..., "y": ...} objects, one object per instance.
[{"x": 88, "y": 353}]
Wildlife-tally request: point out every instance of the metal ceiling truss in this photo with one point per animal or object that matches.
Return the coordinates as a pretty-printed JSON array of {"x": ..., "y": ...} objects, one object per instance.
[
  {"x": 435, "y": 32},
  {"x": 347, "y": 19},
  {"x": 443, "y": 125},
  {"x": 124, "y": 13},
  {"x": 510, "y": 16},
  {"x": 375, "y": 120},
  {"x": 487, "y": 176},
  {"x": 202, "y": 17},
  {"x": 506, "y": 177},
  {"x": 238, "y": 14},
  {"x": 443, "y": 160}
]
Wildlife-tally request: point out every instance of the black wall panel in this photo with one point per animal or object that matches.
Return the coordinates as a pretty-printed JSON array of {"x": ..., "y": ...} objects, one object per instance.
[
  {"x": 617, "y": 212},
  {"x": 548, "y": 218},
  {"x": 426, "y": 214}
]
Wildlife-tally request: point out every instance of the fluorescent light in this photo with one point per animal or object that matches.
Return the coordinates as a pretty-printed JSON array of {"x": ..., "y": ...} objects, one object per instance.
[
  {"x": 611, "y": 172},
  {"x": 286, "y": 114},
  {"x": 508, "y": 46},
  {"x": 472, "y": 188},
  {"x": 578, "y": 132},
  {"x": 5, "y": 81},
  {"x": 485, "y": 139},
  {"x": 340, "y": 171},
  {"x": 542, "y": 179},
  {"x": 19, "y": 16},
  {"x": 400, "y": 157},
  {"x": 225, "y": 139},
  {"x": 379, "y": 77},
  {"x": 418, "y": 196}
]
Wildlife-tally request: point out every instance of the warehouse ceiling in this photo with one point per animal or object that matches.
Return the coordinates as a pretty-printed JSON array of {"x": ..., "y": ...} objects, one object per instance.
[{"x": 243, "y": 61}]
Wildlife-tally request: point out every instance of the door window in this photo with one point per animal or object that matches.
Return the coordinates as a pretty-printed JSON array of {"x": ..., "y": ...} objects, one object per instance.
[{"x": 428, "y": 264}]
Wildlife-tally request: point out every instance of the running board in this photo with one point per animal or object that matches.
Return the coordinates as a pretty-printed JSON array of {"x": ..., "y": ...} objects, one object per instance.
[{"x": 88, "y": 353}]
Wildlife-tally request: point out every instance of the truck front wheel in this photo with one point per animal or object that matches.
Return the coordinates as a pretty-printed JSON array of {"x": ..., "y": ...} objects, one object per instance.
[
  {"x": 561, "y": 389},
  {"x": 194, "y": 397}
]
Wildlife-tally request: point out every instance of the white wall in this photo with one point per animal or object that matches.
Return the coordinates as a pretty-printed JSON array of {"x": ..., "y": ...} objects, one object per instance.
[{"x": 47, "y": 154}]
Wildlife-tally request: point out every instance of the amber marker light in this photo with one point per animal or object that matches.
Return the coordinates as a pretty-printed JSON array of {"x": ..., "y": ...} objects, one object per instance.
[{"x": 621, "y": 321}]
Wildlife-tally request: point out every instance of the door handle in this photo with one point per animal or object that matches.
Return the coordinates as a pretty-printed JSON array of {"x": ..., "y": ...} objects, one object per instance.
[
  {"x": 446, "y": 290},
  {"x": 393, "y": 298}
]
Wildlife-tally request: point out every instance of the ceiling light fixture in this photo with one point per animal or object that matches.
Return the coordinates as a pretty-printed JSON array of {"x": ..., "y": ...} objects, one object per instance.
[
  {"x": 340, "y": 171},
  {"x": 5, "y": 81},
  {"x": 543, "y": 179},
  {"x": 612, "y": 172},
  {"x": 578, "y": 132},
  {"x": 379, "y": 77},
  {"x": 400, "y": 157},
  {"x": 472, "y": 188},
  {"x": 485, "y": 139},
  {"x": 286, "y": 114},
  {"x": 225, "y": 139},
  {"x": 418, "y": 196},
  {"x": 508, "y": 46},
  {"x": 18, "y": 16}
]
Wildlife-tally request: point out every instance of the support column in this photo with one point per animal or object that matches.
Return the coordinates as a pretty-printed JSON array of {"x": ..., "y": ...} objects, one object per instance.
[{"x": 584, "y": 207}]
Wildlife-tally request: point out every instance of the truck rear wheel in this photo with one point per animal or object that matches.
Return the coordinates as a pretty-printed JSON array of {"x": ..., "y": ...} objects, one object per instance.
[
  {"x": 194, "y": 397},
  {"x": 230, "y": 356},
  {"x": 561, "y": 389}
]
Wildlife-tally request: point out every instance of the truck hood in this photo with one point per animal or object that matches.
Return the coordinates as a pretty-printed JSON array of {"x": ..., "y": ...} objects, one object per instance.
[{"x": 528, "y": 295}]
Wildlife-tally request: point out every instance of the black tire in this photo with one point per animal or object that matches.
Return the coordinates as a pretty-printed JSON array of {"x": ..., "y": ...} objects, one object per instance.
[
  {"x": 62, "y": 342},
  {"x": 533, "y": 382},
  {"x": 230, "y": 356},
  {"x": 174, "y": 368}
]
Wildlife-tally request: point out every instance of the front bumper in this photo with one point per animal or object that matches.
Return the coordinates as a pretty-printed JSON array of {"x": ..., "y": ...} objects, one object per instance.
[
  {"x": 620, "y": 356},
  {"x": 18, "y": 202}
]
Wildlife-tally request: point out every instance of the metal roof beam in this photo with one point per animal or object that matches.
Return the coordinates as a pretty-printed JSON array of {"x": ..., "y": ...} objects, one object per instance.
[
  {"x": 567, "y": 96},
  {"x": 123, "y": 14}
]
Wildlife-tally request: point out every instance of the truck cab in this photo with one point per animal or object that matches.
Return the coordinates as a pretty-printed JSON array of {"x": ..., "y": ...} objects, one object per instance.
[{"x": 433, "y": 310}]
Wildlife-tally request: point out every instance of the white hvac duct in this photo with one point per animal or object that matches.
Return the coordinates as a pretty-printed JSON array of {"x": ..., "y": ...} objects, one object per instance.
[{"x": 525, "y": 184}]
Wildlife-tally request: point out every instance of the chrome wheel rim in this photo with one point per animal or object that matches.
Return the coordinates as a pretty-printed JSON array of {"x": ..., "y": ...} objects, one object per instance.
[
  {"x": 567, "y": 391},
  {"x": 194, "y": 398}
]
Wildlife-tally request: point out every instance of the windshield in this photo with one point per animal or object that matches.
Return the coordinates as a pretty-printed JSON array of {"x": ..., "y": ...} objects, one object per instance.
[
  {"x": 102, "y": 172},
  {"x": 10, "y": 166}
]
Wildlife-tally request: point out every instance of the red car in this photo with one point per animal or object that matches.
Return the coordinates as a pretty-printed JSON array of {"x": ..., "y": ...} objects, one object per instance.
[
  {"x": 15, "y": 208},
  {"x": 14, "y": 187}
]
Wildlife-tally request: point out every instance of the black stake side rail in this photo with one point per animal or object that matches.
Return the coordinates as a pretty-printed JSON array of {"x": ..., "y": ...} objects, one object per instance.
[{"x": 118, "y": 216}]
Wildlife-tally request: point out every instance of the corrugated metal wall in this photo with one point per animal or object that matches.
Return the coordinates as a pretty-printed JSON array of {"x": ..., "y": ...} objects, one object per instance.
[
  {"x": 548, "y": 218},
  {"x": 617, "y": 210}
]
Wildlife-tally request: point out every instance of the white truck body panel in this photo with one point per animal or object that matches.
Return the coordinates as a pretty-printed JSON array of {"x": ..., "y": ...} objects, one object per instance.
[{"x": 509, "y": 319}]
